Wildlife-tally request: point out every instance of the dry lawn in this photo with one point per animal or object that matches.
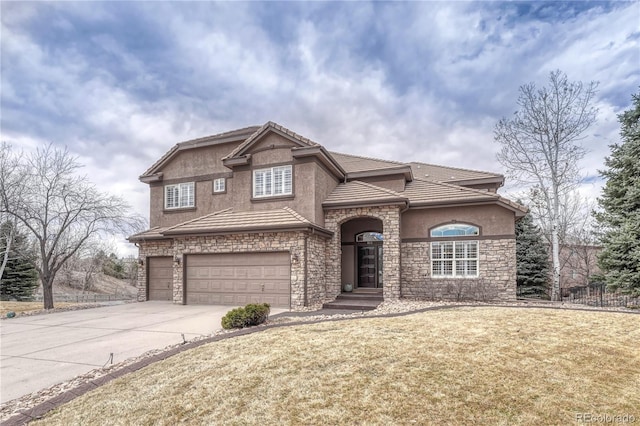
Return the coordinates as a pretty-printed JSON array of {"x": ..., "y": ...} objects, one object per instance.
[
  {"x": 20, "y": 307},
  {"x": 461, "y": 366}
]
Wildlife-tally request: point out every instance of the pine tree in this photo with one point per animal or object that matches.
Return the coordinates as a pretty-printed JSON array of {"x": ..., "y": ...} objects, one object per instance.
[
  {"x": 532, "y": 260},
  {"x": 19, "y": 279},
  {"x": 620, "y": 203}
]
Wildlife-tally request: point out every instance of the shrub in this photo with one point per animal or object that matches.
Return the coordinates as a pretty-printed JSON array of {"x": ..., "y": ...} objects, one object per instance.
[{"x": 251, "y": 314}]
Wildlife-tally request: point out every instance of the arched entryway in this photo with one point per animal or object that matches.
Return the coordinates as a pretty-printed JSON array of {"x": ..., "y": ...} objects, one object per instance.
[{"x": 362, "y": 253}]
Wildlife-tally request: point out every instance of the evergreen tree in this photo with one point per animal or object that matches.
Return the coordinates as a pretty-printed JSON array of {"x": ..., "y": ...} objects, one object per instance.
[
  {"x": 620, "y": 203},
  {"x": 532, "y": 259},
  {"x": 19, "y": 278}
]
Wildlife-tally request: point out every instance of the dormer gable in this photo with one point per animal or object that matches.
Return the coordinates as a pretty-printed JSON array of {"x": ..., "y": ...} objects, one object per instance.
[{"x": 299, "y": 146}]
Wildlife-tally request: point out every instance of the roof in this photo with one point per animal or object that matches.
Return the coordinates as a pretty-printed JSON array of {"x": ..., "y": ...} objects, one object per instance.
[
  {"x": 228, "y": 221},
  {"x": 437, "y": 173},
  {"x": 359, "y": 193},
  {"x": 154, "y": 233},
  {"x": 354, "y": 163},
  {"x": 425, "y": 193},
  {"x": 231, "y": 136},
  {"x": 270, "y": 125}
]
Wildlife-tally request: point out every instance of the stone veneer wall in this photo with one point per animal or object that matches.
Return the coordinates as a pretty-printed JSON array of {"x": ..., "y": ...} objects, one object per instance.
[
  {"x": 237, "y": 243},
  {"x": 390, "y": 217},
  {"x": 496, "y": 281}
]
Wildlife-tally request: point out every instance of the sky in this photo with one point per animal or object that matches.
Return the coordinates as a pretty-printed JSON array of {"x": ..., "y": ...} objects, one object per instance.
[{"x": 119, "y": 83}]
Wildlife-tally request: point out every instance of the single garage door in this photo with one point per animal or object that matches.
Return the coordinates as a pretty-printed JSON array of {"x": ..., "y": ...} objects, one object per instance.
[
  {"x": 239, "y": 278},
  {"x": 160, "y": 278}
]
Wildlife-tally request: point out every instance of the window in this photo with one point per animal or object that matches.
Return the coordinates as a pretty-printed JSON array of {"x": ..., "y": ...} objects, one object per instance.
[
  {"x": 455, "y": 230},
  {"x": 219, "y": 185},
  {"x": 272, "y": 182},
  {"x": 454, "y": 258},
  {"x": 369, "y": 236},
  {"x": 179, "y": 196}
]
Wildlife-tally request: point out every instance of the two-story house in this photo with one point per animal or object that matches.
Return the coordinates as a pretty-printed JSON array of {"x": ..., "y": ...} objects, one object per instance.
[{"x": 262, "y": 214}]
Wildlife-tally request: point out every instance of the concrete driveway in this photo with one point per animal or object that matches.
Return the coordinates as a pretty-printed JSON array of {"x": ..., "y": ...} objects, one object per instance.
[{"x": 43, "y": 350}]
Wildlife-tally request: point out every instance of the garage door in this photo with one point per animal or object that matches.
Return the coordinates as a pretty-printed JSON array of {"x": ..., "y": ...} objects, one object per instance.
[
  {"x": 238, "y": 278},
  {"x": 160, "y": 278}
]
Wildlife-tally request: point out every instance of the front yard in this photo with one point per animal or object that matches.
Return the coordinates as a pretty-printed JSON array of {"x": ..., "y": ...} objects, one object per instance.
[{"x": 458, "y": 366}]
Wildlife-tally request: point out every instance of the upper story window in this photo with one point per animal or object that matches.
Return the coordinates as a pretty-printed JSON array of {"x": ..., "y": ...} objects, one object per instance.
[
  {"x": 450, "y": 259},
  {"x": 219, "y": 185},
  {"x": 179, "y": 196},
  {"x": 272, "y": 182}
]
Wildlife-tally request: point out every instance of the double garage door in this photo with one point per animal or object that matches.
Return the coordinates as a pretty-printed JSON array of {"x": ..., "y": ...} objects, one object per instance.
[
  {"x": 238, "y": 278},
  {"x": 233, "y": 279}
]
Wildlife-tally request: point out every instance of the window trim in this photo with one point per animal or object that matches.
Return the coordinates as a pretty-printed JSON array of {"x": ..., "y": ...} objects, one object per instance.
[
  {"x": 454, "y": 259},
  {"x": 179, "y": 196},
  {"x": 269, "y": 181},
  {"x": 216, "y": 190}
]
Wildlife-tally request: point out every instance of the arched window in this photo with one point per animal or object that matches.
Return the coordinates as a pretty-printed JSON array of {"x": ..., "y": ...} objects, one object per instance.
[
  {"x": 457, "y": 258},
  {"x": 455, "y": 230},
  {"x": 366, "y": 237}
]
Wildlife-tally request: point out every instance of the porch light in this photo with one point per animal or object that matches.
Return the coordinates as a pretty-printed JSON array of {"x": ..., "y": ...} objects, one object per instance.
[
  {"x": 177, "y": 259},
  {"x": 141, "y": 262},
  {"x": 294, "y": 258}
]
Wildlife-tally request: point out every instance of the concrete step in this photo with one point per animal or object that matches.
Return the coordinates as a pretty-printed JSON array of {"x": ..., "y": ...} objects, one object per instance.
[
  {"x": 360, "y": 296},
  {"x": 363, "y": 305}
]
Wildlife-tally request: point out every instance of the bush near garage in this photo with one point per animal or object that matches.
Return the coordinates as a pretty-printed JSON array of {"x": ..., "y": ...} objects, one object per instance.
[{"x": 252, "y": 314}]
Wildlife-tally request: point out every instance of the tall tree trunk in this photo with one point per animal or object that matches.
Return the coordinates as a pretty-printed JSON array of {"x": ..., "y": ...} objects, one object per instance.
[
  {"x": 5, "y": 256},
  {"x": 555, "y": 255},
  {"x": 47, "y": 293}
]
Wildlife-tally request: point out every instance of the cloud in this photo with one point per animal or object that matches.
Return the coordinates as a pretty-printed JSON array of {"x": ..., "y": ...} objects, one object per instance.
[{"x": 119, "y": 83}]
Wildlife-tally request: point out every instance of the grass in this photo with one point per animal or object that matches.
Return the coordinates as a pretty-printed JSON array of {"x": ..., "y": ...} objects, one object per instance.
[
  {"x": 21, "y": 307},
  {"x": 460, "y": 366}
]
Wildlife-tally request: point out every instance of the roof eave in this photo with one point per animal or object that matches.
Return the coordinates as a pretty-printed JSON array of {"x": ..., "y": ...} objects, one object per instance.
[
  {"x": 150, "y": 178},
  {"x": 477, "y": 181},
  {"x": 364, "y": 203},
  {"x": 405, "y": 170},
  {"x": 236, "y": 161},
  {"x": 324, "y": 157},
  {"x": 252, "y": 230}
]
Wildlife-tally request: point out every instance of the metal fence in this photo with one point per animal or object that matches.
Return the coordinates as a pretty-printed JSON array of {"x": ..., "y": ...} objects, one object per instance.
[
  {"x": 596, "y": 294},
  {"x": 86, "y": 298}
]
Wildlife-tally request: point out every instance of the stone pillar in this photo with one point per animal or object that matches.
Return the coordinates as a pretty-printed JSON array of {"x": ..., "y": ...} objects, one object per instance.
[{"x": 391, "y": 254}]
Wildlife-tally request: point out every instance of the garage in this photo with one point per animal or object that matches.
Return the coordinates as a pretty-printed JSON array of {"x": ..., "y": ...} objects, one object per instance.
[
  {"x": 238, "y": 278},
  {"x": 160, "y": 278}
]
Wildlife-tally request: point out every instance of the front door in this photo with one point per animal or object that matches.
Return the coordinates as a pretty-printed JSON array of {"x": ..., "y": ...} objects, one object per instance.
[{"x": 370, "y": 265}]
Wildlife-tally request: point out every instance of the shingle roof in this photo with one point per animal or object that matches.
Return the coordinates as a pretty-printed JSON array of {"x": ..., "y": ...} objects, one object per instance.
[
  {"x": 154, "y": 233},
  {"x": 238, "y": 134},
  {"x": 357, "y": 192},
  {"x": 228, "y": 220},
  {"x": 422, "y": 192},
  {"x": 275, "y": 126},
  {"x": 354, "y": 163},
  {"x": 437, "y": 173}
]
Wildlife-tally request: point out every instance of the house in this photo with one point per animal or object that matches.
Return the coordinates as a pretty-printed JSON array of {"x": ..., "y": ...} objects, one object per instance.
[{"x": 265, "y": 214}]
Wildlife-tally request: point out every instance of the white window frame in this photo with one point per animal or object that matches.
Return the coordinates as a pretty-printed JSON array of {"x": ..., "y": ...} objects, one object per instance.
[
  {"x": 179, "y": 196},
  {"x": 273, "y": 182},
  {"x": 219, "y": 185},
  {"x": 455, "y": 252}
]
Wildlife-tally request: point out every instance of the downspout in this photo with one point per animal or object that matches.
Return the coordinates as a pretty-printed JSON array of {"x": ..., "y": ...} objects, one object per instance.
[{"x": 306, "y": 271}]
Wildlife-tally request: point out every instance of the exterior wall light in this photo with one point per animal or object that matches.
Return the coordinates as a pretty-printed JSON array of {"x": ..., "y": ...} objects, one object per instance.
[{"x": 177, "y": 260}]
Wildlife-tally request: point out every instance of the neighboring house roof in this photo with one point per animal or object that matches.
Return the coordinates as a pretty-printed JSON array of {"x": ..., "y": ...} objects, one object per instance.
[
  {"x": 231, "y": 136},
  {"x": 357, "y": 193},
  {"x": 437, "y": 173},
  {"x": 228, "y": 221}
]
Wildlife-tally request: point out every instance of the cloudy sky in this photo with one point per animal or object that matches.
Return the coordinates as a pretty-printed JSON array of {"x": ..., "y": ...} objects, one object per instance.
[{"x": 119, "y": 83}]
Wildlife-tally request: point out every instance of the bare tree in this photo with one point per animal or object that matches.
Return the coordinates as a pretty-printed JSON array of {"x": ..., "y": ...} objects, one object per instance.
[
  {"x": 540, "y": 147},
  {"x": 11, "y": 187},
  {"x": 62, "y": 211}
]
